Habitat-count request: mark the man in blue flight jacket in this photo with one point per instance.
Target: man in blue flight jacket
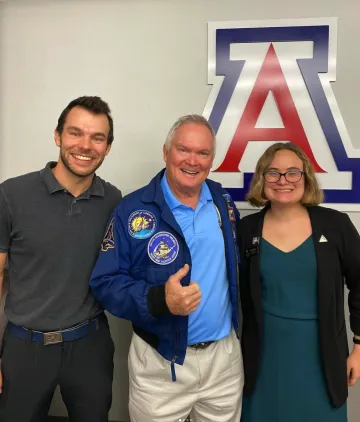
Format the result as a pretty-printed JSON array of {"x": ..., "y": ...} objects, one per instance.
[{"x": 169, "y": 264}]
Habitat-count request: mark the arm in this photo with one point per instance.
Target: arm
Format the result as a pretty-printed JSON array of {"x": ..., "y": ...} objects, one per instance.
[
  {"x": 115, "y": 285},
  {"x": 112, "y": 282},
  {"x": 3, "y": 258},
  {"x": 350, "y": 263},
  {"x": 5, "y": 235}
]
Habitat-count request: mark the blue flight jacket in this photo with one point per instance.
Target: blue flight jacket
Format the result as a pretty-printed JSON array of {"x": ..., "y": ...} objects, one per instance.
[{"x": 130, "y": 274}]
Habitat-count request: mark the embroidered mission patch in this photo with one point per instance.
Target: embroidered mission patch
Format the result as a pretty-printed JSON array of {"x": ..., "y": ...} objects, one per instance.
[
  {"x": 163, "y": 248},
  {"x": 109, "y": 241},
  {"x": 231, "y": 213},
  {"x": 141, "y": 224}
]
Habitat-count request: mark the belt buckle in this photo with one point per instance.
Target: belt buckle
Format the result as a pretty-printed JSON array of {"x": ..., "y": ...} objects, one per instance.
[
  {"x": 201, "y": 345},
  {"x": 53, "y": 337}
]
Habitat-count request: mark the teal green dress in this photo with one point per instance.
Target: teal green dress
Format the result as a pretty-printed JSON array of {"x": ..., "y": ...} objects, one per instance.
[{"x": 291, "y": 385}]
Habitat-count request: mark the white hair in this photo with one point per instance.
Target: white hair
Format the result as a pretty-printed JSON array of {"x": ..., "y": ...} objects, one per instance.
[{"x": 188, "y": 119}]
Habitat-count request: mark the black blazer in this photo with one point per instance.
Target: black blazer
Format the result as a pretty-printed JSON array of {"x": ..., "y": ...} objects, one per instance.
[{"x": 338, "y": 260}]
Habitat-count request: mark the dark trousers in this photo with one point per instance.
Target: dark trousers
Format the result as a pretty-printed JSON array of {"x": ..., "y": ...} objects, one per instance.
[{"x": 82, "y": 368}]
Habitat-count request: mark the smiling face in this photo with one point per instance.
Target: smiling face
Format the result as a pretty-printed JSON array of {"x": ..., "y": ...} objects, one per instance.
[
  {"x": 284, "y": 192},
  {"x": 189, "y": 158},
  {"x": 83, "y": 142}
]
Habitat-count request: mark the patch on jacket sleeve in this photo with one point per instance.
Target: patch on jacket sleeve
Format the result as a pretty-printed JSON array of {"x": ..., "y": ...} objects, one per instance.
[
  {"x": 109, "y": 241},
  {"x": 227, "y": 197},
  {"x": 231, "y": 213}
]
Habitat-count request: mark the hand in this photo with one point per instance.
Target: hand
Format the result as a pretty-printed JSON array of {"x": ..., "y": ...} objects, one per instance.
[
  {"x": 353, "y": 366},
  {"x": 181, "y": 300}
]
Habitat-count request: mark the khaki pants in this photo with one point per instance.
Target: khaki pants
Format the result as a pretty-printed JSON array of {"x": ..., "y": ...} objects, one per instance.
[{"x": 208, "y": 386}]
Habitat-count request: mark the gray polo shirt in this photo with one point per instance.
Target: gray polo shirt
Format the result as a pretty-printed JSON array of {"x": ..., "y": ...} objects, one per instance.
[{"x": 52, "y": 240}]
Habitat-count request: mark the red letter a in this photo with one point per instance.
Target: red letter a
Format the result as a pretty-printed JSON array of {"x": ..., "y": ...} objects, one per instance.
[{"x": 271, "y": 78}]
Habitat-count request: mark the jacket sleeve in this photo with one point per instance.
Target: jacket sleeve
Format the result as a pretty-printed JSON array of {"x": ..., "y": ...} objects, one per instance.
[
  {"x": 114, "y": 286},
  {"x": 350, "y": 264}
]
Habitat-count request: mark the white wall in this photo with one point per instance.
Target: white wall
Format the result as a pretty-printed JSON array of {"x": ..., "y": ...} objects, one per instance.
[{"x": 148, "y": 59}]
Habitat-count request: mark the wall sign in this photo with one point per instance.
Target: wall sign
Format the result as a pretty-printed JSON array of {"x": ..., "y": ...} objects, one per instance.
[{"x": 271, "y": 82}]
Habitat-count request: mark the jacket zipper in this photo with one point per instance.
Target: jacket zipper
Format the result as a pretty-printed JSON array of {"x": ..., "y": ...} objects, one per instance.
[
  {"x": 238, "y": 289},
  {"x": 237, "y": 270},
  {"x": 173, "y": 360}
]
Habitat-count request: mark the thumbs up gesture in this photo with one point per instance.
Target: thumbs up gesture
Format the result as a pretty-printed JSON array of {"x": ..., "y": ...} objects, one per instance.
[{"x": 181, "y": 300}]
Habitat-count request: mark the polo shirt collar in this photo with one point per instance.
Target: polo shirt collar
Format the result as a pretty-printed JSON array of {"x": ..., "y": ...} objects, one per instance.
[
  {"x": 173, "y": 202},
  {"x": 53, "y": 185}
]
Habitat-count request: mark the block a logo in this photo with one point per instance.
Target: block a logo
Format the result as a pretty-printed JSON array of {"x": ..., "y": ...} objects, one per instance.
[{"x": 271, "y": 82}]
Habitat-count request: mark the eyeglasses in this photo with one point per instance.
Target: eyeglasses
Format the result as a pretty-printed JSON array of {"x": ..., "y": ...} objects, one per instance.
[{"x": 291, "y": 176}]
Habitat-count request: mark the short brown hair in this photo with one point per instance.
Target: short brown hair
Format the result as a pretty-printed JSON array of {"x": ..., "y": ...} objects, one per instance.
[
  {"x": 313, "y": 194},
  {"x": 94, "y": 105}
]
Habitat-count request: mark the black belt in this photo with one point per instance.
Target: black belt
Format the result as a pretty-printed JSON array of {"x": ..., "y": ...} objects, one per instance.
[
  {"x": 153, "y": 340},
  {"x": 54, "y": 337},
  {"x": 201, "y": 345}
]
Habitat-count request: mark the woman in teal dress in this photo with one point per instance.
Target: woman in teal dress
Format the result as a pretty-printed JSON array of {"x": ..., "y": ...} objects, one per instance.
[{"x": 294, "y": 260}]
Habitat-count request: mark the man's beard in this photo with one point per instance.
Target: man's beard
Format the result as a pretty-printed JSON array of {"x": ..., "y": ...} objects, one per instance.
[{"x": 67, "y": 165}]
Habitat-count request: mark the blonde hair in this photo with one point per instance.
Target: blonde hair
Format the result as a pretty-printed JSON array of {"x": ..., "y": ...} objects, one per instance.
[{"x": 313, "y": 194}]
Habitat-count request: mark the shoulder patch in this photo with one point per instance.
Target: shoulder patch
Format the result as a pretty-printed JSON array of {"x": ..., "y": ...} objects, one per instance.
[
  {"x": 231, "y": 213},
  {"x": 108, "y": 241},
  {"x": 227, "y": 197}
]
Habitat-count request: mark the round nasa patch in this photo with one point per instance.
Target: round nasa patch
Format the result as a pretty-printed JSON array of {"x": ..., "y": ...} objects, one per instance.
[
  {"x": 163, "y": 248},
  {"x": 141, "y": 224}
]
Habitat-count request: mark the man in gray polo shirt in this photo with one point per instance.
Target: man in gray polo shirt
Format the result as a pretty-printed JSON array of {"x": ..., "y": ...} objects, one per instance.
[{"x": 52, "y": 224}]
